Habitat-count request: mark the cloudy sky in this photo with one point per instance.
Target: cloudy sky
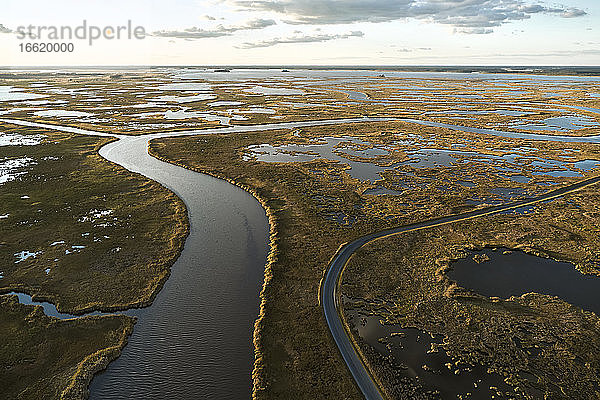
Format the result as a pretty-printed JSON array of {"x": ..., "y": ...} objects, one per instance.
[{"x": 296, "y": 32}]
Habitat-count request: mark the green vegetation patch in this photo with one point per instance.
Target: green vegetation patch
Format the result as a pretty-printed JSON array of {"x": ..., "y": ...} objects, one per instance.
[
  {"x": 80, "y": 231},
  {"x": 43, "y": 357}
]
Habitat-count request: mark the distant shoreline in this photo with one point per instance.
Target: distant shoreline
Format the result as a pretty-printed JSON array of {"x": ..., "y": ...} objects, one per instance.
[{"x": 500, "y": 69}]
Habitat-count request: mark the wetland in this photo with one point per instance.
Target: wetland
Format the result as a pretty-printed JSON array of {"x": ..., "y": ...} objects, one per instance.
[{"x": 125, "y": 204}]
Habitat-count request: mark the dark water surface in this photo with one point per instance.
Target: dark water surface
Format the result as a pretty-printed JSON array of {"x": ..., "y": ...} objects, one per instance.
[
  {"x": 507, "y": 273},
  {"x": 513, "y": 273},
  {"x": 195, "y": 341},
  {"x": 411, "y": 355}
]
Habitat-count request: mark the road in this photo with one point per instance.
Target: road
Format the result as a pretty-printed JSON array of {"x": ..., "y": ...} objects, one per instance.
[{"x": 331, "y": 283}]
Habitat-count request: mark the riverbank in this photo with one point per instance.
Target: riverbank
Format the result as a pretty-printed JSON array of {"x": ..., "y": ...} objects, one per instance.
[{"x": 286, "y": 310}]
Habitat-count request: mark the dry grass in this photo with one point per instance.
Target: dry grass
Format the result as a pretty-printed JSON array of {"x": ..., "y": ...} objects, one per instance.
[{"x": 126, "y": 229}]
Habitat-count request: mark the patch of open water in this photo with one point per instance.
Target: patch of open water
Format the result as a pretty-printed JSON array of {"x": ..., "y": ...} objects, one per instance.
[{"x": 513, "y": 273}]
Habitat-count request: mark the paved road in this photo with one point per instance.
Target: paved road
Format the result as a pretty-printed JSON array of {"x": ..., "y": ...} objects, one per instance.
[{"x": 330, "y": 294}]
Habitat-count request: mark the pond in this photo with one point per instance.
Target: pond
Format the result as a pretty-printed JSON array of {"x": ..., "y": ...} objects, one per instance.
[{"x": 513, "y": 273}]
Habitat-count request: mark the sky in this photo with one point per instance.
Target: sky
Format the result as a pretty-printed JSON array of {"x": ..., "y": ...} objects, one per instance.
[{"x": 303, "y": 32}]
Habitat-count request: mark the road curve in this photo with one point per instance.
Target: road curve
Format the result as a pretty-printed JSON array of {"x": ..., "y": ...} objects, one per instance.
[{"x": 329, "y": 293}]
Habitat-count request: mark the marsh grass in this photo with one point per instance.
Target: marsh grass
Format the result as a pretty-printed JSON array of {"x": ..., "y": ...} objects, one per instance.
[
  {"x": 43, "y": 357},
  {"x": 107, "y": 236},
  {"x": 540, "y": 345}
]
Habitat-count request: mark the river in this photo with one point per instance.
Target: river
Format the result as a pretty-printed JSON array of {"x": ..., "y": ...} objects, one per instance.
[{"x": 195, "y": 340}]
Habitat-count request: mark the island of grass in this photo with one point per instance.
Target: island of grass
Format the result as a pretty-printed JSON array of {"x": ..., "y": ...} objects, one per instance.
[{"x": 81, "y": 232}]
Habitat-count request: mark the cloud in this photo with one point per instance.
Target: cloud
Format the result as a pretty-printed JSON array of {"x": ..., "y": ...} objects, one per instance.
[
  {"x": 300, "y": 38},
  {"x": 573, "y": 13},
  {"x": 474, "y": 31},
  {"x": 4, "y": 29},
  {"x": 255, "y": 24},
  {"x": 218, "y": 31},
  {"x": 190, "y": 33},
  {"x": 457, "y": 13},
  {"x": 407, "y": 50}
]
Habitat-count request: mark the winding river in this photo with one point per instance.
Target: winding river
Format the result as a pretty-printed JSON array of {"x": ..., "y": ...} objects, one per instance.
[{"x": 195, "y": 339}]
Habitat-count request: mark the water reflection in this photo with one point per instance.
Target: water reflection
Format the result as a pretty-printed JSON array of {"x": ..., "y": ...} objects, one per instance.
[
  {"x": 419, "y": 356},
  {"x": 513, "y": 273}
]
